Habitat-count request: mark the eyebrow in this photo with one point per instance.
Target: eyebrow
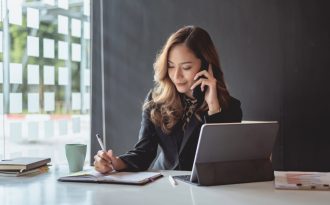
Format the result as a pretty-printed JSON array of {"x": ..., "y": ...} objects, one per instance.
[{"x": 181, "y": 63}]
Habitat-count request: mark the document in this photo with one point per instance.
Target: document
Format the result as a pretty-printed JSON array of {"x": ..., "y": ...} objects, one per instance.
[
  {"x": 302, "y": 180},
  {"x": 135, "y": 178}
]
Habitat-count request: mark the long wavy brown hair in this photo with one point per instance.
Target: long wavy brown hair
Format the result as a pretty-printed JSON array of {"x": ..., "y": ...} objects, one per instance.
[{"x": 165, "y": 106}]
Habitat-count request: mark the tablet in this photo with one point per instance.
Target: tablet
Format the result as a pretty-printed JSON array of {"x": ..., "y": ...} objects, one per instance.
[{"x": 233, "y": 153}]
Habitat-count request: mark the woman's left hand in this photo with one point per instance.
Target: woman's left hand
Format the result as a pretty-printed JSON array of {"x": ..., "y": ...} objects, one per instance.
[{"x": 211, "y": 95}]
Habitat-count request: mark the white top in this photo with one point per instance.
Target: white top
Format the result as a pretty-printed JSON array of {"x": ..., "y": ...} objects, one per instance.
[{"x": 45, "y": 189}]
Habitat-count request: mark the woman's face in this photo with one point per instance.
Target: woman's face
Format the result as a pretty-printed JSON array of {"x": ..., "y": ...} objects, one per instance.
[{"x": 182, "y": 66}]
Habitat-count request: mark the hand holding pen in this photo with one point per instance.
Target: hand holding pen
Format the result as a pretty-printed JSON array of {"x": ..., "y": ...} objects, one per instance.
[
  {"x": 103, "y": 161},
  {"x": 106, "y": 161}
]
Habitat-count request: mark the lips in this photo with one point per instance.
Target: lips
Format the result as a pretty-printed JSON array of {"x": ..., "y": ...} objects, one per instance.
[{"x": 180, "y": 84}]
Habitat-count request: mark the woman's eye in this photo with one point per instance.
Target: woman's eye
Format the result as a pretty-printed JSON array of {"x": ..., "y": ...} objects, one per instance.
[
  {"x": 170, "y": 66},
  {"x": 186, "y": 68}
]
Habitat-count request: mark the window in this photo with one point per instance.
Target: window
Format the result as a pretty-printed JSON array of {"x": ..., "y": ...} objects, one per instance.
[{"x": 44, "y": 77}]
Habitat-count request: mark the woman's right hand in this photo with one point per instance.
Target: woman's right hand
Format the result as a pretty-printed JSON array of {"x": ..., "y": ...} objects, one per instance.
[{"x": 105, "y": 162}]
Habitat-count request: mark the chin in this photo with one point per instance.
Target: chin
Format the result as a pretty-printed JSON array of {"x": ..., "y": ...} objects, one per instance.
[
  {"x": 181, "y": 90},
  {"x": 184, "y": 90}
]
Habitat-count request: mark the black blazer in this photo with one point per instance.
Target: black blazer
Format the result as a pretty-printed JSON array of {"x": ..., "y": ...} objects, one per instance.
[{"x": 173, "y": 156}]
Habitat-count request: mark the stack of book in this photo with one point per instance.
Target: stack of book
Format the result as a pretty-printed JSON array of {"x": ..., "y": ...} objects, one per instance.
[
  {"x": 302, "y": 180},
  {"x": 23, "y": 166}
]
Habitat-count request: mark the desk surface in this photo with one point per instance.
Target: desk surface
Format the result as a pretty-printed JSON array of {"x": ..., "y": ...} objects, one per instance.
[{"x": 45, "y": 189}]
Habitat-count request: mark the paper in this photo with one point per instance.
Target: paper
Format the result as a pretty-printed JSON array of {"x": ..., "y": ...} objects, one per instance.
[
  {"x": 87, "y": 7},
  {"x": 15, "y": 130},
  {"x": 63, "y": 50},
  {"x": 15, "y": 102},
  {"x": 76, "y": 125},
  {"x": 33, "y": 131},
  {"x": 302, "y": 180},
  {"x": 1, "y": 38},
  {"x": 15, "y": 73},
  {"x": 76, "y": 102},
  {"x": 33, "y": 102},
  {"x": 63, "y": 4},
  {"x": 32, "y": 172},
  {"x": 32, "y": 18},
  {"x": 49, "y": 2},
  {"x": 48, "y": 48},
  {"x": 33, "y": 46},
  {"x": 86, "y": 101},
  {"x": 48, "y": 129},
  {"x": 1, "y": 72},
  {"x": 63, "y": 127},
  {"x": 63, "y": 76},
  {"x": 62, "y": 24},
  {"x": 49, "y": 75},
  {"x": 15, "y": 11},
  {"x": 76, "y": 27},
  {"x": 49, "y": 101},
  {"x": 76, "y": 52},
  {"x": 87, "y": 77},
  {"x": 1, "y": 103},
  {"x": 33, "y": 74},
  {"x": 87, "y": 30}
]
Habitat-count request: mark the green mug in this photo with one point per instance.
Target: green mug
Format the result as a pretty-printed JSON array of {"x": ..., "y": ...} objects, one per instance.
[{"x": 75, "y": 154}]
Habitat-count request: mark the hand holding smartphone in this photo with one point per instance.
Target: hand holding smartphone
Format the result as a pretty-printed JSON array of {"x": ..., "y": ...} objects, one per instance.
[{"x": 197, "y": 91}]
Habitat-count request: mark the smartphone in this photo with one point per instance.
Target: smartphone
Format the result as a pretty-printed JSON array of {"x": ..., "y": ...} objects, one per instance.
[{"x": 197, "y": 91}]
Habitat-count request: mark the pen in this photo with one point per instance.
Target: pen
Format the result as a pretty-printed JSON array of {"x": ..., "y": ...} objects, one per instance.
[
  {"x": 172, "y": 180},
  {"x": 103, "y": 147},
  {"x": 100, "y": 142}
]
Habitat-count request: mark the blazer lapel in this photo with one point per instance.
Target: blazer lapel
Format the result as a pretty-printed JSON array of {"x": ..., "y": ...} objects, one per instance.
[{"x": 190, "y": 128}]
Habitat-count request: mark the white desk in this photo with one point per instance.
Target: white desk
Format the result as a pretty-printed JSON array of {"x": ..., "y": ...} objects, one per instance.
[{"x": 44, "y": 189}]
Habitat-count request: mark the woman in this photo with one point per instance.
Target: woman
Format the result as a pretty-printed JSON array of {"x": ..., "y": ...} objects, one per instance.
[{"x": 172, "y": 117}]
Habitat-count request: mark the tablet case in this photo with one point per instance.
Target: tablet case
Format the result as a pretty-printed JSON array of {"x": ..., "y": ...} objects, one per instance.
[{"x": 232, "y": 172}]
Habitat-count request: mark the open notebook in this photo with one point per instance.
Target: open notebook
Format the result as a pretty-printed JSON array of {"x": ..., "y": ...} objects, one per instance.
[{"x": 135, "y": 178}]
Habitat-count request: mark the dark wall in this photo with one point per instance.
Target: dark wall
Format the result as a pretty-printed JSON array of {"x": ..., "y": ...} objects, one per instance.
[
  {"x": 273, "y": 54},
  {"x": 306, "y": 97}
]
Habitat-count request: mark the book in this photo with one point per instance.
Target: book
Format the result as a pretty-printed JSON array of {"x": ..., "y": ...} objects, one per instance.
[
  {"x": 134, "y": 178},
  {"x": 23, "y": 163},
  {"x": 302, "y": 180},
  {"x": 15, "y": 173}
]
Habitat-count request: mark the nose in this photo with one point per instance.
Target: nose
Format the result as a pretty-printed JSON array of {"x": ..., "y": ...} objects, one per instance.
[{"x": 178, "y": 73}]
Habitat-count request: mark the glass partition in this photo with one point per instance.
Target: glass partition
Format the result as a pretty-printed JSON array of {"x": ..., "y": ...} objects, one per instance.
[{"x": 44, "y": 77}]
